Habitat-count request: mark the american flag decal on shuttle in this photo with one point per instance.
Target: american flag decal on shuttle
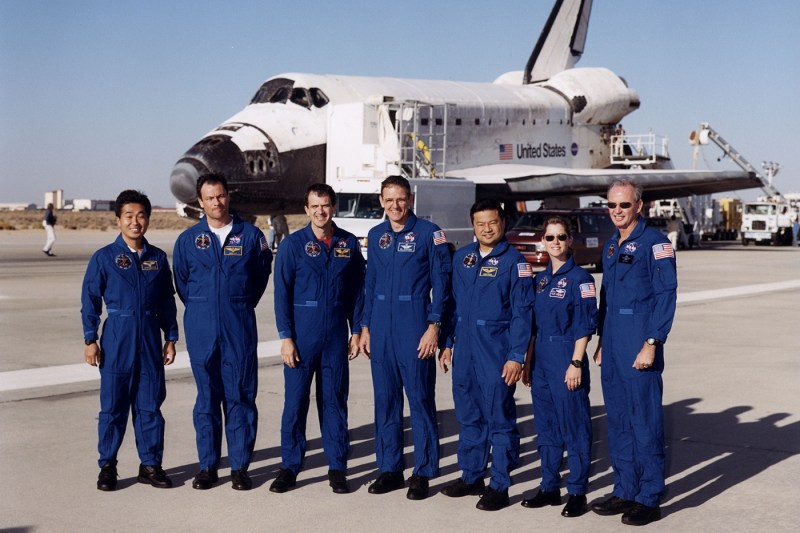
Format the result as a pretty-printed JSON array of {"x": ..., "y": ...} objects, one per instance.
[{"x": 506, "y": 152}]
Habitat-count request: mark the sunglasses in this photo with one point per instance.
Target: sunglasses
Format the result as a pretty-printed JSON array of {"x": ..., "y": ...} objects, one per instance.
[
  {"x": 622, "y": 205},
  {"x": 561, "y": 237}
]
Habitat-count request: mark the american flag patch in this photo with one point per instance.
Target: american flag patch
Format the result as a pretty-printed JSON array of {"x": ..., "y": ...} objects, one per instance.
[
  {"x": 506, "y": 152},
  {"x": 439, "y": 237},
  {"x": 588, "y": 290},
  {"x": 263, "y": 243},
  {"x": 524, "y": 270},
  {"x": 662, "y": 251}
]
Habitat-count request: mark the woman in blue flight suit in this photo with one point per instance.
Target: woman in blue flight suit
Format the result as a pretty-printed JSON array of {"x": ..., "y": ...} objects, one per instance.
[{"x": 565, "y": 310}]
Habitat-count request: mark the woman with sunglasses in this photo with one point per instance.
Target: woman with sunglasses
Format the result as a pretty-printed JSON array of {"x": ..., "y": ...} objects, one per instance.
[{"x": 556, "y": 369}]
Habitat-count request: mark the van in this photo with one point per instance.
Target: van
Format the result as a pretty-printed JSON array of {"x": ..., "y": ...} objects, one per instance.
[{"x": 590, "y": 227}]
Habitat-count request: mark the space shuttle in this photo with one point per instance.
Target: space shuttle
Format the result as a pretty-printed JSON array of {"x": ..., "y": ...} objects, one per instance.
[{"x": 549, "y": 131}]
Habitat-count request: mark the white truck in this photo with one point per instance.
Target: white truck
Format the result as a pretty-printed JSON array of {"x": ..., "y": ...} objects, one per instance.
[{"x": 768, "y": 221}]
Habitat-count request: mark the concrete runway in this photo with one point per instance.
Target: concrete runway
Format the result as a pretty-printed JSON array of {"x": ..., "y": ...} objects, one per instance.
[{"x": 731, "y": 399}]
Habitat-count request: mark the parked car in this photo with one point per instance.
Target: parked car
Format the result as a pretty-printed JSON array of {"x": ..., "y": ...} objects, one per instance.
[{"x": 591, "y": 227}]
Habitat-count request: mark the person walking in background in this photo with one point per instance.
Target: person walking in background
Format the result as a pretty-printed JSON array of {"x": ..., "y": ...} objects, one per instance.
[
  {"x": 319, "y": 294},
  {"x": 49, "y": 224},
  {"x": 281, "y": 227},
  {"x": 222, "y": 265},
  {"x": 133, "y": 278},
  {"x": 557, "y": 370},
  {"x": 673, "y": 230},
  {"x": 489, "y": 334}
]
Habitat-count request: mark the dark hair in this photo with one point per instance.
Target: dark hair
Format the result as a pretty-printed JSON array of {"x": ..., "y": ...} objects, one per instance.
[
  {"x": 212, "y": 179},
  {"x": 132, "y": 197},
  {"x": 321, "y": 189},
  {"x": 560, "y": 221},
  {"x": 396, "y": 181},
  {"x": 488, "y": 204}
]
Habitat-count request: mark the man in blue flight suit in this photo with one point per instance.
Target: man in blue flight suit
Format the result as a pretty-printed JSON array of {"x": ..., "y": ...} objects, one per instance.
[
  {"x": 493, "y": 292},
  {"x": 134, "y": 280},
  {"x": 222, "y": 265},
  {"x": 406, "y": 293},
  {"x": 319, "y": 293},
  {"x": 637, "y": 306}
]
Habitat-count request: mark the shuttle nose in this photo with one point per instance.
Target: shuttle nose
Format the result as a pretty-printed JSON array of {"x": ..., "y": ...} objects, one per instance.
[{"x": 183, "y": 182}]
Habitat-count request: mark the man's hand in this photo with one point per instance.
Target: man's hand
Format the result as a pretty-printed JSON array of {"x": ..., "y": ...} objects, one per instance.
[
  {"x": 445, "y": 359},
  {"x": 355, "y": 339},
  {"x": 289, "y": 353},
  {"x": 512, "y": 371},
  {"x": 428, "y": 343},
  {"x": 168, "y": 353},
  {"x": 91, "y": 354},
  {"x": 645, "y": 358},
  {"x": 363, "y": 344}
]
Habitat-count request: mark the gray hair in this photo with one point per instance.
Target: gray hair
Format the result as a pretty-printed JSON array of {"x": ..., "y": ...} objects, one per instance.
[{"x": 626, "y": 182}]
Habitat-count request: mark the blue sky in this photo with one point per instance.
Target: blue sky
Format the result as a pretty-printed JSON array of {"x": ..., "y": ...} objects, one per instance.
[{"x": 101, "y": 95}]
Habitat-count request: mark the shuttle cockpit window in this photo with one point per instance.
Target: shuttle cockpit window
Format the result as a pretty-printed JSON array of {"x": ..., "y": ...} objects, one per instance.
[
  {"x": 301, "y": 97},
  {"x": 318, "y": 98},
  {"x": 355, "y": 205},
  {"x": 274, "y": 91}
]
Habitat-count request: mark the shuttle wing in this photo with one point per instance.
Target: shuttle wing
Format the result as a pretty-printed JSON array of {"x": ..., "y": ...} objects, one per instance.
[{"x": 541, "y": 182}]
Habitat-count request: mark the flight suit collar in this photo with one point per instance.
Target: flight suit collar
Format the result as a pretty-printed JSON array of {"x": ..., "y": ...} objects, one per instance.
[
  {"x": 635, "y": 234},
  {"x": 410, "y": 223},
  {"x": 566, "y": 267}
]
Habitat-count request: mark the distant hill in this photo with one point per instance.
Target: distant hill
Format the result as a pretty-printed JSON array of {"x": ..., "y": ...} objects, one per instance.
[{"x": 105, "y": 220}]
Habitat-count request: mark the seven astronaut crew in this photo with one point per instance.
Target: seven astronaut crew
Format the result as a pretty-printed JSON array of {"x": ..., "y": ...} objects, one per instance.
[{"x": 482, "y": 311}]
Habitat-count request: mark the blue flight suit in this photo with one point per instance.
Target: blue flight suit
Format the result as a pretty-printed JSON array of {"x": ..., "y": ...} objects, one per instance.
[
  {"x": 565, "y": 307},
  {"x": 492, "y": 321},
  {"x": 220, "y": 287},
  {"x": 319, "y": 294},
  {"x": 637, "y": 302},
  {"x": 407, "y": 286},
  {"x": 139, "y": 300}
]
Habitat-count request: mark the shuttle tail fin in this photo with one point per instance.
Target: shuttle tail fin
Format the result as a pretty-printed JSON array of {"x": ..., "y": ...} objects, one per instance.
[{"x": 561, "y": 43}]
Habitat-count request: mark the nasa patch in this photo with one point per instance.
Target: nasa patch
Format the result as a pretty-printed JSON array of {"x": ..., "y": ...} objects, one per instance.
[
  {"x": 202, "y": 241},
  {"x": 493, "y": 261},
  {"x": 470, "y": 260},
  {"x": 386, "y": 241},
  {"x": 342, "y": 243},
  {"x": 313, "y": 249},
  {"x": 123, "y": 262},
  {"x": 631, "y": 247},
  {"x": 410, "y": 237},
  {"x": 562, "y": 283},
  {"x": 235, "y": 240}
]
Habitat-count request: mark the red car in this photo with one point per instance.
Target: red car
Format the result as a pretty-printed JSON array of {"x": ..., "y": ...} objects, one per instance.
[{"x": 591, "y": 227}]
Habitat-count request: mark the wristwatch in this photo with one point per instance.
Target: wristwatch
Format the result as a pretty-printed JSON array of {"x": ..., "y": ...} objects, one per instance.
[
  {"x": 577, "y": 363},
  {"x": 87, "y": 343},
  {"x": 436, "y": 323},
  {"x": 652, "y": 342}
]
